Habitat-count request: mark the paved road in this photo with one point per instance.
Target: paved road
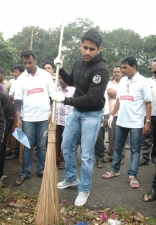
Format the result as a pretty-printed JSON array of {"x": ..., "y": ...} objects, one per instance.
[{"x": 104, "y": 193}]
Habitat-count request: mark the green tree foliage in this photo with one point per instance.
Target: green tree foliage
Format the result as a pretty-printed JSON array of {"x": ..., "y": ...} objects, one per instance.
[
  {"x": 72, "y": 39},
  {"x": 120, "y": 43},
  {"x": 44, "y": 44},
  {"x": 116, "y": 44},
  {"x": 148, "y": 54},
  {"x": 8, "y": 54}
]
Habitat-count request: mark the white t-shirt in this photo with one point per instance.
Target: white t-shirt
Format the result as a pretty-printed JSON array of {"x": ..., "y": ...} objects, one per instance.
[
  {"x": 14, "y": 84},
  {"x": 35, "y": 92},
  {"x": 132, "y": 95},
  {"x": 152, "y": 82}
]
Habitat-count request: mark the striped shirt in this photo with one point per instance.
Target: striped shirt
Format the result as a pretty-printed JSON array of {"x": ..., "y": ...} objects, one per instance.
[{"x": 62, "y": 111}]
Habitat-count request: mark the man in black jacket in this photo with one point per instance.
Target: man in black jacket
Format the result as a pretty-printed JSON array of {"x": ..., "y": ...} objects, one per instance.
[
  {"x": 90, "y": 76},
  {"x": 6, "y": 122}
]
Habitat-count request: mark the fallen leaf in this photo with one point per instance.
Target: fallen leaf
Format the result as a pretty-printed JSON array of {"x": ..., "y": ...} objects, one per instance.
[
  {"x": 63, "y": 211},
  {"x": 140, "y": 215}
]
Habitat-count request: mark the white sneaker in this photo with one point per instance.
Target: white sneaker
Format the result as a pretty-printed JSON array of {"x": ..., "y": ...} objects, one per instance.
[
  {"x": 65, "y": 184},
  {"x": 81, "y": 198}
]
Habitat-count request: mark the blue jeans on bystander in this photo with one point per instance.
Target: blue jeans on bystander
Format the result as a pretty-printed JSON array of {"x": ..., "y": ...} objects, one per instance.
[
  {"x": 35, "y": 134},
  {"x": 135, "y": 143}
]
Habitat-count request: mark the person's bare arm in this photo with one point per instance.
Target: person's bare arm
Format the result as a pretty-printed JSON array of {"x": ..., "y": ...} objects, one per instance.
[
  {"x": 116, "y": 108},
  {"x": 111, "y": 92},
  {"x": 146, "y": 127}
]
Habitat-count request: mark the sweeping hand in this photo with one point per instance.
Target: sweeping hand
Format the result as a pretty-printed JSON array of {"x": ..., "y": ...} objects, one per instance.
[
  {"x": 59, "y": 61},
  {"x": 58, "y": 97},
  {"x": 110, "y": 120}
]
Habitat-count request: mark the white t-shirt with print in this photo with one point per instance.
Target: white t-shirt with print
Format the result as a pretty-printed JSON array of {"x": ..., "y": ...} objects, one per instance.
[
  {"x": 132, "y": 95},
  {"x": 35, "y": 91}
]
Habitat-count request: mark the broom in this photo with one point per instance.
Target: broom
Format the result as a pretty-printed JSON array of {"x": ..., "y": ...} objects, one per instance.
[{"x": 47, "y": 211}]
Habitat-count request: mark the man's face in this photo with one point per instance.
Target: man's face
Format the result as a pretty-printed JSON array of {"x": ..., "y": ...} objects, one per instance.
[
  {"x": 62, "y": 83},
  {"x": 1, "y": 77},
  {"x": 89, "y": 50},
  {"x": 128, "y": 70},
  {"x": 29, "y": 64},
  {"x": 117, "y": 74},
  {"x": 49, "y": 68},
  {"x": 16, "y": 73},
  {"x": 153, "y": 68}
]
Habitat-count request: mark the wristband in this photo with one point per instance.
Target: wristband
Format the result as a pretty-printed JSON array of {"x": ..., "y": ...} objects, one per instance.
[{"x": 148, "y": 121}]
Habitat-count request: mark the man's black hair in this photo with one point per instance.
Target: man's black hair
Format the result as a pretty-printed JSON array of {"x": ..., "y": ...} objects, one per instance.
[
  {"x": 117, "y": 66},
  {"x": 93, "y": 36},
  {"x": 130, "y": 60},
  {"x": 27, "y": 53},
  {"x": 50, "y": 63},
  {"x": 19, "y": 67}
]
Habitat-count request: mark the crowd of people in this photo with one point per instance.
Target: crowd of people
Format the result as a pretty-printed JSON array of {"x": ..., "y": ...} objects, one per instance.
[{"x": 87, "y": 102}]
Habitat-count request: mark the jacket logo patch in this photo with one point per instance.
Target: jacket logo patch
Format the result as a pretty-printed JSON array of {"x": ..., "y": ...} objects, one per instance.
[{"x": 97, "y": 79}]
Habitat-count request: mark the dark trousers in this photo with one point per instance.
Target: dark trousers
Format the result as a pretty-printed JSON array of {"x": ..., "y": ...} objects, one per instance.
[
  {"x": 154, "y": 180},
  {"x": 99, "y": 146},
  {"x": 153, "y": 154},
  {"x": 111, "y": 138},
  {"x": 148, "y": 140},
  {"x": 8, "y": 127},
  {"x": 59, "y": 133}
]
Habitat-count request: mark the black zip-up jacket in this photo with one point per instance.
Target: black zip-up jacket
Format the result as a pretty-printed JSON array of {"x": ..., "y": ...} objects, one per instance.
[
  {"x": 6, "y": 112},
  {"x": 90, "y": 80}
]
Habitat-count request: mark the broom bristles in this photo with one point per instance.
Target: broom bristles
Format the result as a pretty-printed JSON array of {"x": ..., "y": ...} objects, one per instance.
[{"x": 47, "y": 211}]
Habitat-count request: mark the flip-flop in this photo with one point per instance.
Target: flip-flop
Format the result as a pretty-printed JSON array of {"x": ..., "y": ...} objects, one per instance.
[
  {"x": 151, "y": 196},
  {"x": 61, "y": 166},
  {"x": 100, "y": 165},
  {"x": 109, "y": 175},
  {"x": 133, "y": 182},
  {"x": 11, "y": 157},
  {"x": 21, "y": 180}
]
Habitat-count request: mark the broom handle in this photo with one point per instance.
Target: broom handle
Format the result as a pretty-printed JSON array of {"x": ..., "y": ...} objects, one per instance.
[{"x": 57, "y": 70}]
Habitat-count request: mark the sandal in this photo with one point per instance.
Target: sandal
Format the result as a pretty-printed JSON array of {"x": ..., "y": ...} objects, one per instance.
[
  {"x": 20, "y": 180},
  {"x": 11, "y": 157},
  {"x": 106, "y": 160},
  {"x": 100, "y": 165},
  {"x": 61, "y": 166},
  {"x": 133, "y": 182},
  {"x": 110, "y": 175},
  {"x": 151, "y": 196}
]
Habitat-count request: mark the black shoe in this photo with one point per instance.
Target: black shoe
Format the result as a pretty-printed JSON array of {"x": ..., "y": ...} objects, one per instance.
[
  {"x": 40, "y": 174},
  {"x": 143, "y": 163}
]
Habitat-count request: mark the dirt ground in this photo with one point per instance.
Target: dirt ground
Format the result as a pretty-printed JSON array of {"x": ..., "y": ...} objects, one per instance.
[{"x": 104, "y": 193}]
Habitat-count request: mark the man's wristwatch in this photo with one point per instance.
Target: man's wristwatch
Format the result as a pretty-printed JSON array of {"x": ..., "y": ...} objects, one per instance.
[{"x": 148, "y": 121}]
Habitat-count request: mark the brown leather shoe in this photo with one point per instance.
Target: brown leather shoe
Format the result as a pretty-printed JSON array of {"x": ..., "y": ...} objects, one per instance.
[{"x": 106, "y": 160}]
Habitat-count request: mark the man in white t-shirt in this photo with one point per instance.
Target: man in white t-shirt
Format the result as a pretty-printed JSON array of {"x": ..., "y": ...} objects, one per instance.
[
  {"x": 17, "y": 71},
  {"x": 133, "y": 97},
  {"x": 149, "y": 139},
  {"x": 33, "y": 93}
]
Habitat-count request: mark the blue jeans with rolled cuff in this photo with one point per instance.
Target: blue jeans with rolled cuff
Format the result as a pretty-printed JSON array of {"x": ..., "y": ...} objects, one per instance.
[{"x": 135, "y": 143}]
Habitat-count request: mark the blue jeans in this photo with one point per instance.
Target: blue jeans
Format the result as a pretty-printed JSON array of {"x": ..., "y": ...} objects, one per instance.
[
  {"x": 35, "y": 134},
  {"x": 85, "y": 125},
  {"x": 135, "y": 143},
  {"x": 8, "y": 127}
]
